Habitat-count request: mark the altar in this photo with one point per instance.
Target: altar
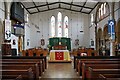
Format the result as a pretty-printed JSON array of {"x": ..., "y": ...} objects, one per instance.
[{"x": 59, "y": 56}]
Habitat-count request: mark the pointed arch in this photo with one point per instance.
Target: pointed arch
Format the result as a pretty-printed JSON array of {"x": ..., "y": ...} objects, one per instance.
[
  {"x": 65, "y": 27},
  {"x": 118, "y": 31},
  {"x": 52, "y": 26},
  {"x": 59, "y": 17}
]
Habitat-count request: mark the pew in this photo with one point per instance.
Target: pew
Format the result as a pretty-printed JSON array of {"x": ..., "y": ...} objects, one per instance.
[
  {"x": 109, "y": 76},
  {"x": 20, "y": 67},
  {"x": 93, "y": 57},
  {"x": 26, "y": 73},
  {"x": 27, "y": 57},
  {"x": 29, "y": 64},
  {"x": 40, "y": 62},
  {"x": 95, "y": 61},
  {"x": 97, "y": 66},
  {"x": 80, "y": 61},
  {"x": 94, "y": 73},
  {"x": 12, "y": 77}
]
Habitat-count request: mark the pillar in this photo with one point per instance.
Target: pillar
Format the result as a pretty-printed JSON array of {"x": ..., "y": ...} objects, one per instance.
[
  {"x": 6, "y": 46},
  {"x": 112, "y": 53}
]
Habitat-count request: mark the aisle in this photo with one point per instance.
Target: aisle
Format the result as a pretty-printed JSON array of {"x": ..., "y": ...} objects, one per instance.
[{"x": 60, "y": 70}]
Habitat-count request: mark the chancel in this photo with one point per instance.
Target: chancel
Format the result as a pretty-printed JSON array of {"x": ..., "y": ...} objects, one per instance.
[{"x": 60, "y": 39}]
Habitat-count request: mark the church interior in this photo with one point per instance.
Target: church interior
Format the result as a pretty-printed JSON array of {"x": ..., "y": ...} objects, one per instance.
[{"x": 59, "y": 39}]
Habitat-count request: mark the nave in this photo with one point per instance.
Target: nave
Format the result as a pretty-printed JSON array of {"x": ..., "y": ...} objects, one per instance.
[
  {"x": 60, "y": 71},
  {"x": 37, "y": 39}
]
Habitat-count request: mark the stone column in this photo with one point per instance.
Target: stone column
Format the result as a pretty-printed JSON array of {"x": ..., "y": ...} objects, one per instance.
[
  {"x": 7, "y": 8},
  {"x": 6, "y": 46},
  {"x": 112, "y": 53}
]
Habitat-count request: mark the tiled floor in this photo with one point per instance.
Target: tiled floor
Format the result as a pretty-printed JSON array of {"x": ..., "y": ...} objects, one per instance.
[{"x": 60, "y": 71}]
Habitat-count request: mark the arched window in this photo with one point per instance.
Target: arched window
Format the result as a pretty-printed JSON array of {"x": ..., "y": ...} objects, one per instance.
[
  {"x": 59, "y": 24},
  {"x": 65, "y": 29},
  {"x": 103, "y": 10},
  {"x": 52, "y": 31}
]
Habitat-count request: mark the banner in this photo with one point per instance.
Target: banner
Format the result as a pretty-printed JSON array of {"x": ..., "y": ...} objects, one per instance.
[{"x": 111, "y": 29}]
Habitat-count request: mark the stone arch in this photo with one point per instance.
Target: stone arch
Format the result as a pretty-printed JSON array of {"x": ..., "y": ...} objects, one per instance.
[
  {"x": 117, "y": 30},
  {"x": 106, "y": 39},
  {"x": 99, "y": 39},
  {"x": 96, "y": 21},
  {"x": 96, "y": 13},
  {"x": 105, "y": 32}
]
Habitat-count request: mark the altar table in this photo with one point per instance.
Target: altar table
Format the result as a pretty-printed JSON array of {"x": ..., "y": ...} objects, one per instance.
[{"x": 59, "y": 55}]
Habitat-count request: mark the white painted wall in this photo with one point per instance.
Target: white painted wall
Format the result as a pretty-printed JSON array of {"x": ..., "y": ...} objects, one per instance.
[
  {"x": 104, "y": 21},
  {"x": 77, "y": 22},
  {"x": 2, "y": 18},
  {"x": 14, "y": 46}
]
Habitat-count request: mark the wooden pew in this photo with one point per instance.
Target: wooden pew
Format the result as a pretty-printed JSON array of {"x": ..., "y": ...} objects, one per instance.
[
  {"x": 97, "y": 66},
  {"x": 20, "y": 67},
  {"x": 26, "y": 73},
  {"x": 80, "y": 61},
  {"x": 109, "y": 76},
  {"x": 29, "y": 64},
  {"x": 93, "y": 57},
  {"x": 27, "y": 57},
  {"x": 40, "y": 62},
  {"x": 12, "y": 77},
  {"x": 93, "y": 61},
  {"x": 94, "y": 73}
]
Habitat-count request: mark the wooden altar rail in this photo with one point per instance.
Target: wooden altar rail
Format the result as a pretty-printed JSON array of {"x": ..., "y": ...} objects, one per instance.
[{"x": 35, "y": 52}]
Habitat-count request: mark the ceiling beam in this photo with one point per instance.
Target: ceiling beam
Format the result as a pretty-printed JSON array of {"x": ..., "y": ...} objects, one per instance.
[
  {"x": 94, "y": 7},
  {"x": 60, "y": 8},
  {"x": 26, "y": 8},
  {"x": 74, "y": 10},
  {"x": 46, "y": 10},
  {"x": 71, "y": 4},
  {"x": 59, "y": 3},
  {"x": 76, "y": 5},
  {"x": 43, "y": 5},
  {"x": 47, "y": 4},
  {"x": 35, "y": 6},
  {"x": 83, "y": 5}
]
